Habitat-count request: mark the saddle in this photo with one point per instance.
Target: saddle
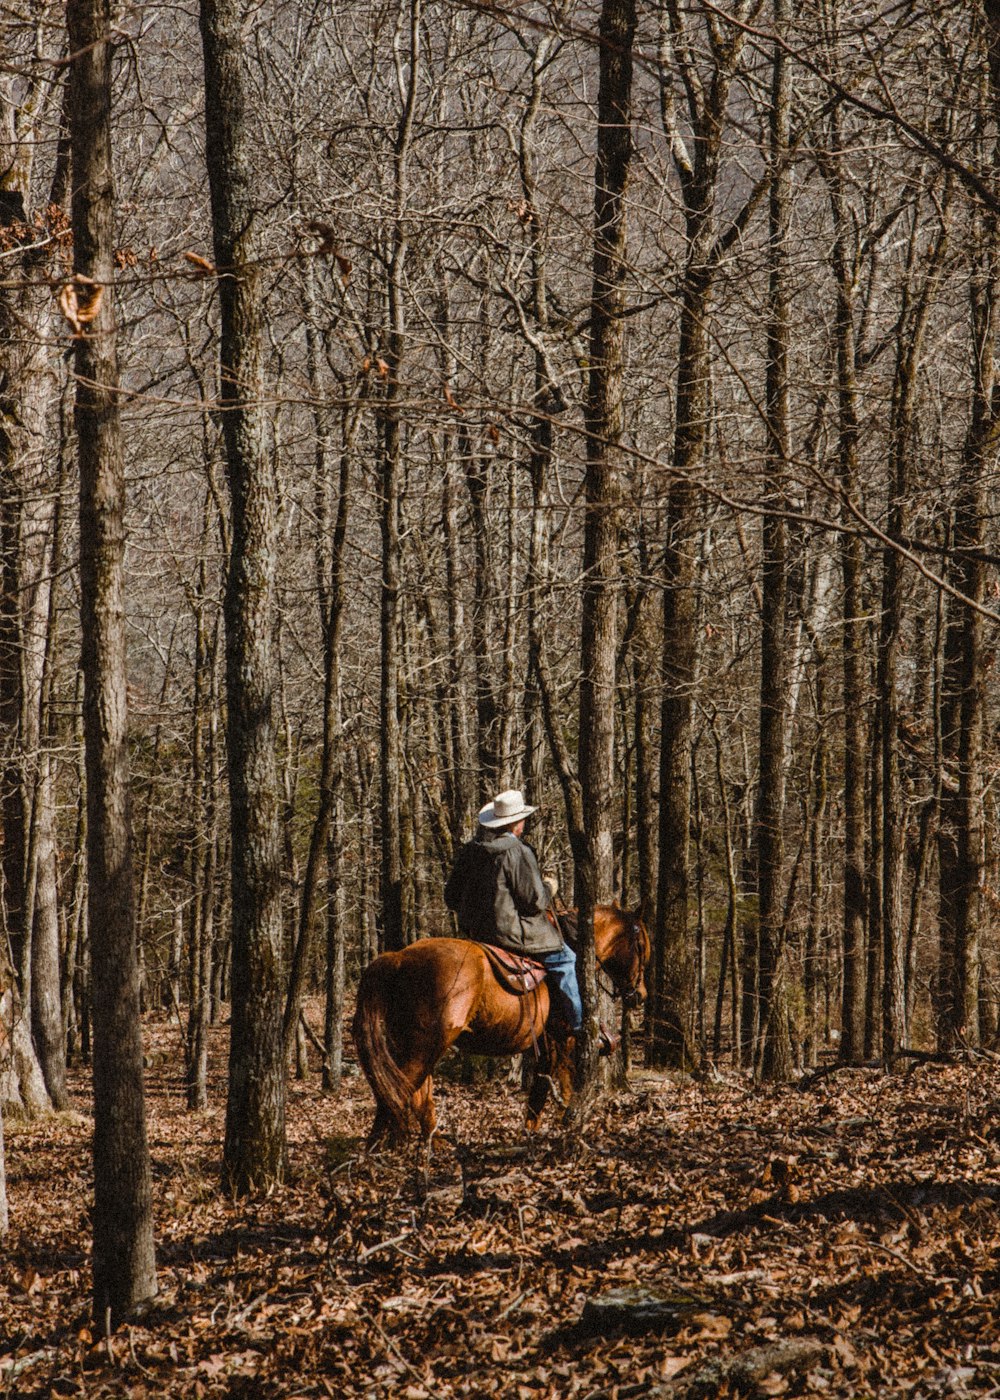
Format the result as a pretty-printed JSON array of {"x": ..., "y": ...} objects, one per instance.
[{"x": 519, "y": 975}]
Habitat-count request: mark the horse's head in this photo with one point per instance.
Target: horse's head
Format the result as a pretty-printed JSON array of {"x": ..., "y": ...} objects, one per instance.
[{"x": 625, "y": 953}]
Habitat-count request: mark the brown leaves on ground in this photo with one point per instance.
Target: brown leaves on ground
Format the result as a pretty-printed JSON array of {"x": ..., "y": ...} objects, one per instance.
[{"x": 839, "y": 1242}]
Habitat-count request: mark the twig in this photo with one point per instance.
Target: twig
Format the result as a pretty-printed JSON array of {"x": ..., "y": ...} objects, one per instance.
[
  {"x": 131, "y": 1351},
  {"x": 925, "y": 1274},
  {"x": 384, "y": 1244},
  {"x": 17, "y": 1367},
  {"x": 240, "y": 1318},
  {"x": 394, "y": 1349},
  {"x": 311, "y": 1035}
]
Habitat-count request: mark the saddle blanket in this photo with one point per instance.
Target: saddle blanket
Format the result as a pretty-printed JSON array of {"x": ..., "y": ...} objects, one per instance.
[{"x": 519, "y": 975}]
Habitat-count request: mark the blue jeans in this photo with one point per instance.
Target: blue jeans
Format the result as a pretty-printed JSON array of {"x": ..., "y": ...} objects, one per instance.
[{"x": 560, "y": 969}]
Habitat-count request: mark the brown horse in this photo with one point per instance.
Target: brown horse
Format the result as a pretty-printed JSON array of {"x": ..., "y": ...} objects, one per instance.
[{"x": 416, "y": 1004}]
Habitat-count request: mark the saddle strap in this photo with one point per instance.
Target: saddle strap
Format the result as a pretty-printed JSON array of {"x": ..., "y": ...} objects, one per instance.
[{"x": 519, "y": 975}]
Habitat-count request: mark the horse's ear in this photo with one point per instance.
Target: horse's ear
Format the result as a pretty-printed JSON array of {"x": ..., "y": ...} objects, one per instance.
[{"x": 616, "y": 905}]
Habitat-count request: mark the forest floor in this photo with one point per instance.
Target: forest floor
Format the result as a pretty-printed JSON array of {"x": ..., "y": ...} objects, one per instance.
[{"x": 706, "y": 1239}]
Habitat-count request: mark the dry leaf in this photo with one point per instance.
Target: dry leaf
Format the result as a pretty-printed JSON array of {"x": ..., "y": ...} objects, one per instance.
[
  {"x": 711, "y": 1326},
  {"x": 80, "y": 301},
  {"x": 327, "y": 236},
  {"x": 202, "y": 264}
]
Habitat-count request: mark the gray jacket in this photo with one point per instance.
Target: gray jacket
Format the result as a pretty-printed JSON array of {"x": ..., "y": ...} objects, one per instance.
[{"x": 497, "y": 892}]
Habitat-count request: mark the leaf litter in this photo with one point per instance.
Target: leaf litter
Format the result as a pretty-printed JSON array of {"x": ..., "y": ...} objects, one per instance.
[{"x": 704, "y": 1239}]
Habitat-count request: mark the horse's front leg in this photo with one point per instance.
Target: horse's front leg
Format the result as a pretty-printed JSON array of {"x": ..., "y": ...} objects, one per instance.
[{"x": 538, "y": 1094}]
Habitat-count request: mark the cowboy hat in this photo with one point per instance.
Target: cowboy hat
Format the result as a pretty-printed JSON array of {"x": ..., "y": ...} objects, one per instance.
[{"x": 505, "y": 809}]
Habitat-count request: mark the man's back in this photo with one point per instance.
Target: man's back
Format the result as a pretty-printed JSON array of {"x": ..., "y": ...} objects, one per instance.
[{"x": 496, "y": 891}]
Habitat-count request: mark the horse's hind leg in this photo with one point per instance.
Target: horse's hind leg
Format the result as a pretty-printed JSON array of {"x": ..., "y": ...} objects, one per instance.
[
  {"x": 391, "y": 1125},
  {"x": 384, "y": 1128},
  {"x": 537, "y": 1096},
  {"x": 423, "y": 1107}
]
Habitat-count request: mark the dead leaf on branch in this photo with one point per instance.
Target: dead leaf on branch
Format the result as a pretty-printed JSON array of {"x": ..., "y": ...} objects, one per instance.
[
  {"x": 203, "y": 265},
  {"x": 80, "y": 301},
  {"x": 328, "y": 246}
]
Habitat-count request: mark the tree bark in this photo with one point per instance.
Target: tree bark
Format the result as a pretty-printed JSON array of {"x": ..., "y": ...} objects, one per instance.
[
  {"x": 254, "y": 1151},
  {"x": 394, "y": 934},
  {"x": 852, "y": 1044},
  {"x": 913, "y": 322},
  {"x": 961, "y": 841},
  {"x": 123, "y": 1253},
  {"x": 774, "y": 1061},
  {"x": 325, "y": 839},
  {"x": 30, "y": 495},
  {"x": 594, "y": 854},
  {"x": 697, "y": 151}
]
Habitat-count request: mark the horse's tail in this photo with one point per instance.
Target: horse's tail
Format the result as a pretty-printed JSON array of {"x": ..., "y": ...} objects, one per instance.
[{"x": 393, "y": 1091}]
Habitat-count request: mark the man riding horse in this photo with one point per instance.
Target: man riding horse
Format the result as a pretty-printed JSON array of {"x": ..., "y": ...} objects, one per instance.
[{"x": 498, "y": 894}]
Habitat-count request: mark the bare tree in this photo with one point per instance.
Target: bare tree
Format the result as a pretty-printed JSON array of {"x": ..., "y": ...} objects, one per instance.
[
  {"x": 773, "y": 1059},
  {"x": 124, "y": 1261},
  {"x": 254, "y": 1151},
  {"x": 594, "y": 851}
]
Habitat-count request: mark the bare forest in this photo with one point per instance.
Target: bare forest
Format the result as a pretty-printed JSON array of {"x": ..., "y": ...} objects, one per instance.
[{"x": 406, "y": 400}]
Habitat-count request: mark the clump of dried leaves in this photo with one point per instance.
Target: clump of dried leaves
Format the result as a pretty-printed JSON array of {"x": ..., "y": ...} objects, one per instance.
[{"x": 705, "y": 1239}]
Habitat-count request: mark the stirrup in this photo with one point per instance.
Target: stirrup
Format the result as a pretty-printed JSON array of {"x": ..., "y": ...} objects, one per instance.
[{"x": 607, "y": 1042}]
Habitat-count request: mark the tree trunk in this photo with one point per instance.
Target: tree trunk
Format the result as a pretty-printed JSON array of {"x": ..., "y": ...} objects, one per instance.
[
  {"x": 594, "y": 854},
  {"x": 909, "y": 352},
  {"x": 462, "y": 785},
  {"x": 852, "y": 1044},
  {"x": 124, "y": 1263},
  {"x": 254, "y": 1151},
  {"x": 321, "y": 846},
  {"x": 774, "y": 1062},
  {"x": 394, "y": 934},
  {"x": 205, "y": 845},
  {"x": 961, "y": 844},
  {"x": 697, "y": 170},
  {"x": 479, "y": 480},
  {"x": 336, "y": 951},
  {"x": 31, "y": 478}
]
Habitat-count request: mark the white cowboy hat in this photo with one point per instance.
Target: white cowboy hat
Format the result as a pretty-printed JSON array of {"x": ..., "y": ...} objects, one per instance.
[{"x": 505, "y": 809}]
